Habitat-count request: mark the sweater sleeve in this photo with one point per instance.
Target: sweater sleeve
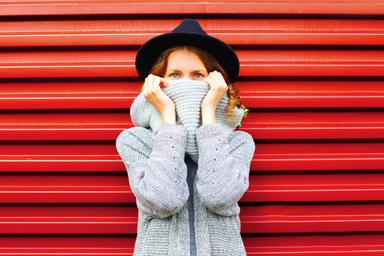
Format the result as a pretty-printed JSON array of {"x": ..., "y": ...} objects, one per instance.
[
  {"x": 156, "y": 168},
  {"x": 224, "y": 164}
]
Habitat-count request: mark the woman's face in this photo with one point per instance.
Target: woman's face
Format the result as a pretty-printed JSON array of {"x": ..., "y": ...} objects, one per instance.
[{"x": 183, "y": 64}]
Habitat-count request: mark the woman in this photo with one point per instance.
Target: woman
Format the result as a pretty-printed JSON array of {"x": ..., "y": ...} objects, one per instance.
[{"x": 186, "y": 165}]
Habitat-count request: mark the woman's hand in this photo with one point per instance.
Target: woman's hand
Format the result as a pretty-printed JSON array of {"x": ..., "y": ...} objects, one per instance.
[
  {"x": 218, "y": 87},
  {"x": 153, "y": 93}
]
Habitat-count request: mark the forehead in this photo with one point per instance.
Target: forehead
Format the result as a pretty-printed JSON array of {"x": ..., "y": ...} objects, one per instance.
[{"x": 184, "y": 59}]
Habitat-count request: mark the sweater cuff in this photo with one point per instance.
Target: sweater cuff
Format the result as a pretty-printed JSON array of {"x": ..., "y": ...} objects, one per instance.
[
  {"x": 169, "y": 143},
  {"x": 209, "y": 130}
]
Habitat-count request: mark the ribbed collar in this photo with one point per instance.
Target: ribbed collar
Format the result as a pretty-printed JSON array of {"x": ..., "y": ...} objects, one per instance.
[{"x": 187, "y": 96}]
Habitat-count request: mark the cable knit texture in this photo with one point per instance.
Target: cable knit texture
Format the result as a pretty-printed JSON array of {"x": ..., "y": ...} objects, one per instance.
[
  {"x": 187, "y": 96},
  {"x": 157, "y": 172}
]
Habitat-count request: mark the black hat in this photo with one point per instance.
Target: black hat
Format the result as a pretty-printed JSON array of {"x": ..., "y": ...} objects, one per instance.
[{"x": 189, "y": 33}]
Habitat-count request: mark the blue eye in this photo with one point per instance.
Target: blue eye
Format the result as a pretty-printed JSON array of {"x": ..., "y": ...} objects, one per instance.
[
  {"x": 174, "y": 75},
  {"x": 198, "y": 75}
]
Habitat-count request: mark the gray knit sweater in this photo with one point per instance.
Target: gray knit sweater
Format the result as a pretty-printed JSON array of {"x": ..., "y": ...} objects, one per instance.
[
  {"x": 187, "y": 96},
  {"x": 157, "y": 173}
]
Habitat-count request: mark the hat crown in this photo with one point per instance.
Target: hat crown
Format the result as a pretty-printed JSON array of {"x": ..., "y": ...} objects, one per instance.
[
  {"x": 189, "y": 26},
  {"x": 190, "y": 33}
]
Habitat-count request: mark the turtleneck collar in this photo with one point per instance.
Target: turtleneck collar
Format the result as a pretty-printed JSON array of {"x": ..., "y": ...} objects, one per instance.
[{"x": 187, "y": 96}]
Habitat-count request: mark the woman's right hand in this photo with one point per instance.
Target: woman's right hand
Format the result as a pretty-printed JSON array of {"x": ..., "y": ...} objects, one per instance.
[{"x": 153, "y": 93}]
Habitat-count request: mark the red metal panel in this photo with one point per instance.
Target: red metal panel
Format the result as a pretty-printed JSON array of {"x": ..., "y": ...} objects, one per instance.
[
  {"x": 80, "y": 245},
  {"x": 174, "y": 7},
  {"x": 65, "y": 189},
  {"x": 40, "y": 157},
  {"x": 63, "y": 126},
  {"x": 315, "y": 188},
  {"x": 312, "y": 94},
  {"x": 307, "y": 125},
  {"x": 319, "y": 245},
  {"x": 68, "y": 220},
  {"x": 253, "y": 63},
  {"x": 236, "y": 32},
  {"x": 70, "y": 95},
  {"x": 318, "y": 156},
  {"x": 313, "y": 218}
]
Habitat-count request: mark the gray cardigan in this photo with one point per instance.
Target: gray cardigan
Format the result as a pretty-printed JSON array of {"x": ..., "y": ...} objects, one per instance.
[{"x": 158, "y": 178}]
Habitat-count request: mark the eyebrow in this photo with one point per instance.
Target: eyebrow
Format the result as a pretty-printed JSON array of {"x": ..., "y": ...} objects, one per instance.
[
  {"x": 198, "y": 70},
  {"x": 173, "y": 70}
]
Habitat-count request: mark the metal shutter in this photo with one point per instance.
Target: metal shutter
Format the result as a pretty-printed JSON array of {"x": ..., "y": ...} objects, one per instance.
[{"x": 311, "y": 75}]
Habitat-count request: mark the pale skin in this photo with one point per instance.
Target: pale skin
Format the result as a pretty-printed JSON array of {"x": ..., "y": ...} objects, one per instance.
[{"x": 184, "y": 64}]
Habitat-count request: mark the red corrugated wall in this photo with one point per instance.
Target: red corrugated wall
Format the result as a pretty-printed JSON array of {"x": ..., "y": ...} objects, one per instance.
[{"x": 311, "y": 74}]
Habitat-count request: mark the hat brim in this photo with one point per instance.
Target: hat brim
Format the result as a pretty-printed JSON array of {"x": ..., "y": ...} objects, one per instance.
[{"x": 152, "y": 49}]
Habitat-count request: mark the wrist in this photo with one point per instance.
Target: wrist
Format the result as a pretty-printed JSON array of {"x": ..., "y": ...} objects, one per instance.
[
  {"x": 208, "y": 116},
  {"x": 168, "y": 116}
]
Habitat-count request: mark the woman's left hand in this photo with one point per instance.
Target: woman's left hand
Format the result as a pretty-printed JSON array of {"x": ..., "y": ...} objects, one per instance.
[{"x": 218, "y": 87}]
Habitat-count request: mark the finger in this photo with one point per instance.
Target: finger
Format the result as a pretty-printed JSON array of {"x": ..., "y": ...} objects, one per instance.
[
  {"x": 221, "y": 78},
  {"x": 215, "y": 77},
  {"x": 215, "y": 73},
  {"x": 163, "y": 83},
  {"x": 210, "y": 81},
  {"x": 150, "y": 87},
  {"x": 214, "y": 84},
  {"x": 156, "y": 82},
  {"x": 212, "y": 76},
  {"x": 222, "y": 85}
]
